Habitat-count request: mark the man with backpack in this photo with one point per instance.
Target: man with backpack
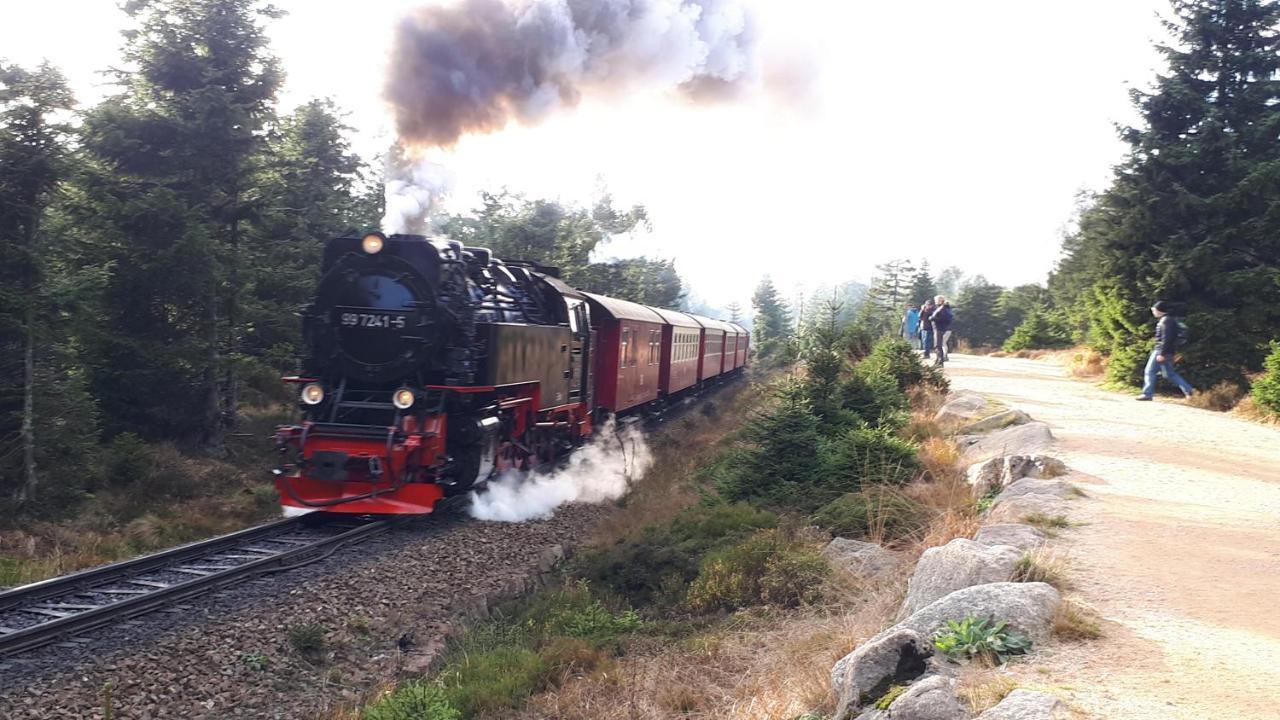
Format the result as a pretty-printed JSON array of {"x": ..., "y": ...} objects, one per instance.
[
  {"x": 941, "y": 318},
  {"x": 1170, "y": 335}
]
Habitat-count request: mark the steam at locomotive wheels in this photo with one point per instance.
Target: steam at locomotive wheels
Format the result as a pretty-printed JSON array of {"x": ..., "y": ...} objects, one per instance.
[{"x": 432, "y": 367}]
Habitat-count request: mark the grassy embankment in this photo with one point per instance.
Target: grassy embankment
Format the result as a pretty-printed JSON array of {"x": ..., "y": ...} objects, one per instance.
[
  {"x": 708, "y": 596},
  {"x": 142, "y": 497}
]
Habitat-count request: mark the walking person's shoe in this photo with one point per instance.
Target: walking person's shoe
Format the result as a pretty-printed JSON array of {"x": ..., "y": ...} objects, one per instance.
[
  {"x": 1188, "y": 395},
  {"x": 1146, "y": 398}
]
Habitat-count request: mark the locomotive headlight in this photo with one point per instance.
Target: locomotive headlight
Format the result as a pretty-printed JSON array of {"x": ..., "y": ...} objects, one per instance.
[
  {"x": 403, "y": 398},
  {"x": 372, "y": 243},
  {"x": 312, "y": 394}
]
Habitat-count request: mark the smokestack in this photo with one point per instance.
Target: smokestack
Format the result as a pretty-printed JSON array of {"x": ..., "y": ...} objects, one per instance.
[{"x": 479, "y": 64}]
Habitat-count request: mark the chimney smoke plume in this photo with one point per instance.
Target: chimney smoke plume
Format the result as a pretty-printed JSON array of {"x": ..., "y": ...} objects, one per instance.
[{"x": 479, "y": 64}]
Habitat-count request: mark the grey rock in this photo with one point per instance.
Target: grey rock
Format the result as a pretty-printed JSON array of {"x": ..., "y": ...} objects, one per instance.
[
  {"x": 865, "y": 674},
  {"x": 1016, "y": 509},
  {"x": 959, "y": 564},
  {"x": 1023, "y": 537},
  {"x": 1025, "y": 439},
  {"x": 933, "y": 698},
  {"x": 1027, "y": 705},
  {"x": 1033, "y": 486},
  {"x": 1002, "y": 419},
  {"x": 861, "y": 559},
  {"x": 1027, "y": 607},
  {"x": 960, "y": 408},
  {"x": 1045, "y": 466},
  {"x": 985, "y": 476}
]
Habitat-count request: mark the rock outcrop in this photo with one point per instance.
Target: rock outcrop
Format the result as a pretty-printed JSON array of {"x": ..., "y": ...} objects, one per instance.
[
  {"x": 1016, "y": 509},
  {"x": 958, "y": 564},
  {"x": 863, "y": 560},
  {"x": 1023, "y": 537},
  {"x": 1032, "y": 486},
  {"x": 1004, "y": 470},
  {"x": 864, "y": 675},
  {"x": 961, "y": 408},
  {"x": 1027, "y": 607},
  {"x": 1031, "y": 438},
  {"x": 933, "y": 698},
  {"x": 1027, "y": 705},
  {"x": 1001, "y": 419}
]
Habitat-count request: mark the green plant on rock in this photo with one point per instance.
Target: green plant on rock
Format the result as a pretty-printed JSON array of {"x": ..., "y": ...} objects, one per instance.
[
  {"x": 414, "y": 700},
  {"x": 983, "y": 639},
  {"x": 256, "y": 661},
  {"x": 893, "y": 693},
  {"x": 1266, "y": 389}
]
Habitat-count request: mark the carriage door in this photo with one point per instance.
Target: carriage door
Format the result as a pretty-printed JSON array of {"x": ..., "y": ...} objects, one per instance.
[{"x": 579, "y": 352}]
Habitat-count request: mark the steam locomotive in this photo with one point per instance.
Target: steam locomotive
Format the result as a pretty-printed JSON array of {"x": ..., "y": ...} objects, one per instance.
[{"x": 431, "y": 367}]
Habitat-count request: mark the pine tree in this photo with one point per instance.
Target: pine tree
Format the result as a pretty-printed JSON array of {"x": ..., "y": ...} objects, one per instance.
[
  {"x": 922, "y": 286},
  {"x": 772, "y": 326},
  {"x": 1191, "y": 215},
  {"x": 33, "y": 161},
  {"x": 735, "y": 311},
  {"x": 887, "y": 299},
  {"x": 167, "y": 204},
  {"x": 976, "y": 316}
]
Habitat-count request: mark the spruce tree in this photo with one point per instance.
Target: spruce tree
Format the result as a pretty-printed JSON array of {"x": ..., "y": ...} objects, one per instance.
[
  {"x": 167, "y": 206},
  {"x": 33, "y": 161},
  {"x": 772, "y": 325},
  {"x": 976, "y": 313},
  {"x": 1193, "y": 214},
  {"x": 922, "y": 286}
]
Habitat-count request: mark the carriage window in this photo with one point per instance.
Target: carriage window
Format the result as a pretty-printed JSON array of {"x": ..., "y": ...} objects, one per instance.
[
  {"x": 626, "y": 342},
  {"x": 632, "y": 352}
]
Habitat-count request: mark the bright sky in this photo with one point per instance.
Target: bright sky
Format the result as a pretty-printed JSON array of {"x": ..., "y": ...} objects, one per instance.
[{"x": 957, "y": 133}]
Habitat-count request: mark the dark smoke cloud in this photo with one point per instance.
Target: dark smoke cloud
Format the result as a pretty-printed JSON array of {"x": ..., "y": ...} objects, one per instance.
[{"x": 479, "y": 64}]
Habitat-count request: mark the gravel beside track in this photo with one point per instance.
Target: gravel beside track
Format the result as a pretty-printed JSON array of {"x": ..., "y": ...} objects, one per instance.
[{"x": 387, "y": 605}]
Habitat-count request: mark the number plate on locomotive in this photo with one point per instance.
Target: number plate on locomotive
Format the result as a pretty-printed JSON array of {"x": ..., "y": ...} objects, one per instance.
[{"x": 370, "y": 318}]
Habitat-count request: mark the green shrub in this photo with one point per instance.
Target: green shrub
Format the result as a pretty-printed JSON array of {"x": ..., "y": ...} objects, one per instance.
[
  {"x": 655, "y": 567},
  {"x": 1037, "y": 330},
  {"x": 982, "y": 639},
  {"x": 489, "y": 681},
  {"x": 1266, "y": 389},
  {"x": 875, "y": 512},
  {"x": 766, "y": 568},
  {"x": 780, "y": 456},
  {"x": 573, "y": 612},
  {"x": 866, "y": 456},
  {"x": 308, "y": 638},
  {"x": 875, "y": 398},
  {"x": 128, "y": 459},
  {"x": 893, "y": 357},
  {"x": 413, "y": 700}
]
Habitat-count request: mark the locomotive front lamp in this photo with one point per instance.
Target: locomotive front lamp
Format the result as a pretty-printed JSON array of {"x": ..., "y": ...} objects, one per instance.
[
  {"x": 312, "y": 393},
  {"x": 372, "y": 243},
  {"x": 403, "y": 398}
]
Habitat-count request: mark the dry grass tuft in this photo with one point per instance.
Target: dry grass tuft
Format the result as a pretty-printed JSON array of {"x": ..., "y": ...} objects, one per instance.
[
  {"x": 1086, "y": 363},
  {"x": 1046, "y": 566},
  {"x": 760, "y": 665},
  {"x": 941, "y": 460},
  {"x": 1249, "y": 409},
  {"x": 1074, "y": 621},
  {"x": 983, "y": 688},
  {"x": 1220, "y": 398}
]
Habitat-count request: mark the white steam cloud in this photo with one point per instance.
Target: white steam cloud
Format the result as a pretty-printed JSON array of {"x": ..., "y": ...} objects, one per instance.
[
  {"x": 599, "y": 471},
  {"x": 414, "y": 188}
]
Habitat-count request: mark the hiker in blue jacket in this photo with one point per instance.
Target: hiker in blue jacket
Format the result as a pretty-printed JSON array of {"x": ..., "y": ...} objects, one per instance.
[
  {"x": 1168, "y": 335},
  {"x": 941, "y": 317},
  {"x": 909, "y": 328}
]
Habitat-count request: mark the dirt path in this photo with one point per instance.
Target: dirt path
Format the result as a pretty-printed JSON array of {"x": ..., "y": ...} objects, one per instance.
[{"x": 1180, "y": 550}]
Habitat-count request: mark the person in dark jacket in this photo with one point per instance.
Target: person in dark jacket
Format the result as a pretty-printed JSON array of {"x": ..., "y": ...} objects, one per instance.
[
  {"x": 1161, "y": 360},
  {"x": 926, "y": 326},
  {"x": 941, "y": 317}
]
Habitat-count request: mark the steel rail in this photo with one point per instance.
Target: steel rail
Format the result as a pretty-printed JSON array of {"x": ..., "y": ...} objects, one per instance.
[{"x": 64, "y": 625}]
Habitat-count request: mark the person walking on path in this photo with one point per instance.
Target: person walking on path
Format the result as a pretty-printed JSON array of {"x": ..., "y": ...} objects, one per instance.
[
  {"x": 926, "y": 327},
  {"x": 909, "y": 328},
  {"x": 1168, "y": 335},
  {"x": 941, "y": 318}
]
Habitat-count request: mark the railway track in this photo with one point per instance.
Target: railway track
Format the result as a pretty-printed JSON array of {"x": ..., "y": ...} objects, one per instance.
[{"x": 60, "y": 609}]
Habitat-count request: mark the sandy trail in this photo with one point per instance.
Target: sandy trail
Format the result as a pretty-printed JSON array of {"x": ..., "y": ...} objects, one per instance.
[{"x": 1180, "y": 550}]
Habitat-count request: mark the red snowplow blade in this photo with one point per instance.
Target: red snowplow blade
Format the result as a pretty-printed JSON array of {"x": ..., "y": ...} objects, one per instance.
[{"x": 410, "y": 499}]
